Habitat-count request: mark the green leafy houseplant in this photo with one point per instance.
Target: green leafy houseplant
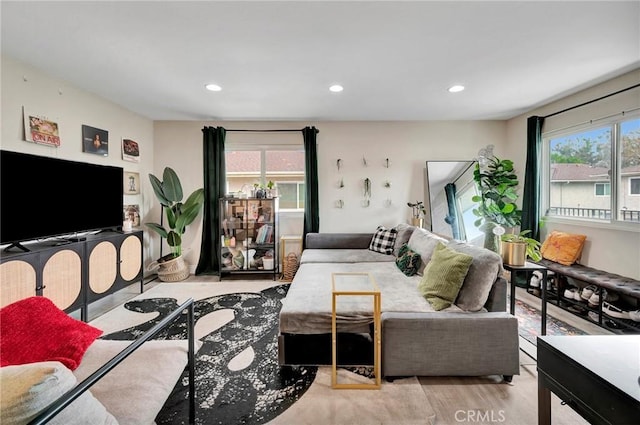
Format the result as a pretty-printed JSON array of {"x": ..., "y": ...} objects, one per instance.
[
  {"x": 179, "y": 215},
  {"x": 533, "y": 246},
  {"x": 496, "y": 181},
  {"x": 417, "y": 209}
]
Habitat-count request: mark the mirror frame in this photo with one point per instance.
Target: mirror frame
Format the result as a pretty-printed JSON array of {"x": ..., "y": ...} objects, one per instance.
[{"x": 458, "y": 168}]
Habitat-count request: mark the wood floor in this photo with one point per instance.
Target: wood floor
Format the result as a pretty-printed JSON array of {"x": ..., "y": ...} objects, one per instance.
[{"x": 470, "y": 400}]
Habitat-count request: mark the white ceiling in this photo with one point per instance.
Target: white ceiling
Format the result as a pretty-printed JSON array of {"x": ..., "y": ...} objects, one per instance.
[{"x": 276, "y": 60}]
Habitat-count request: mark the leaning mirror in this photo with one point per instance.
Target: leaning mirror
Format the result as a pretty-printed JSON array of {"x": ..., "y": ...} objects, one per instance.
[{"x": 449, "y": 187}]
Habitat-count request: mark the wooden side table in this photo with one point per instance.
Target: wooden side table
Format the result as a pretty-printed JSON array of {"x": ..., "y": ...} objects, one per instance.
[{"x": 530, "y": 267}]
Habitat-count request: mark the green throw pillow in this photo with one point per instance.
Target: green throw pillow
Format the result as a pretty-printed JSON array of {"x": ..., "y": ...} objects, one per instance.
[
  {"x": 408, "y": 261},
  {"x": 443, "y": 276}
]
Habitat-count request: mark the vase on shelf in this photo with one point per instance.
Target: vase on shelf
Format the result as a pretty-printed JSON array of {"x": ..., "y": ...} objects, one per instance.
[{"x": 418, "y": 222}]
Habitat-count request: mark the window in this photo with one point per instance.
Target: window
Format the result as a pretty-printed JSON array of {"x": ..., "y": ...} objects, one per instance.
[
  {"x": 253, "y": 167},
  {"x": 603, "y": 189},
  {"x": 634, "y": 186},
  {"x": 594, "y": 171}
]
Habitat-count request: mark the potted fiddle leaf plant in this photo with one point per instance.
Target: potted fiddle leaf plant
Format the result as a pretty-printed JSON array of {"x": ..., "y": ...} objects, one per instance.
[
  {"x": 496, "y": 181},
  {"x": 179, "y": 215}
]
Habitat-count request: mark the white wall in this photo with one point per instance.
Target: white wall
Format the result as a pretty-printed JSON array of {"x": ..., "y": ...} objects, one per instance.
[
  {"x": 408, "y": 145},
  {"x": 70, "y": 107},
  {"x": 616, "y": 250}
]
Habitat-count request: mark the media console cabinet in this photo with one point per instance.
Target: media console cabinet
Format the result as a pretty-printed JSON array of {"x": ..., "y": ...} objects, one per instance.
[{"x": 72, "y": 274}]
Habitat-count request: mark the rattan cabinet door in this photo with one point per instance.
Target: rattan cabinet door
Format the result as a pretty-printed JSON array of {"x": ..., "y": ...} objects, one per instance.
[
  {"x": 130, "y": 258},
  {"x": 103, "y": 267},
  {"x": 17, "y": 281},
  {"x": 62, "y": 277}
]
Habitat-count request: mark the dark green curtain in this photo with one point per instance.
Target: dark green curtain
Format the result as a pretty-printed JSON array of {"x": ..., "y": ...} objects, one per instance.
[
  {"x": 452, "y": 218},
  {"x": 311, "y": 204},
  {"x": 531, "y": 192},
  {"x": 215, "y": 187}
]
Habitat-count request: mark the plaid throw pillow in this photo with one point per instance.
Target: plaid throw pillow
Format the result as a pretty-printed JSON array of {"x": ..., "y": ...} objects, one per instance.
[{"x": 383, "y": 240}]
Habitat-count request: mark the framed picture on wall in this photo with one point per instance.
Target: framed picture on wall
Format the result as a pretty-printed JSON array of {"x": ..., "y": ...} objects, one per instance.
[
  {"x": 130, "y": 150},
  {"x": 131, "y": 183},
  {"x": 39, "y": 129},
  {"x": 132, "y": 213},
  {"x": 95, "y": 140}
]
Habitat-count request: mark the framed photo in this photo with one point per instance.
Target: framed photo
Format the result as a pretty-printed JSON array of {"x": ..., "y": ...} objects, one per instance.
[
  {"x": 95, "y": 141},
  {"x": 40, "y": 129},
  {"x": 131, "y": 183},
  {"x": 130, "y": 150},
  {"x": 132, "y": 213}
]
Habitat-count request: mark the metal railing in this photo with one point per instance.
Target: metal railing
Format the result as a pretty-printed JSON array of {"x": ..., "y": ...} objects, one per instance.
[{"x": 594, "y": 213}]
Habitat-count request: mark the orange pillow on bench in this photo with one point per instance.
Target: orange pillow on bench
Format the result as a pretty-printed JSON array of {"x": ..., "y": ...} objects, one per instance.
[{"x": 563, "y": 248}]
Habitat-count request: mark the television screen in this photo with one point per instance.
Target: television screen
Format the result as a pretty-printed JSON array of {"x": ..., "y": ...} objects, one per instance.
[{"x": 42, "y": 197}]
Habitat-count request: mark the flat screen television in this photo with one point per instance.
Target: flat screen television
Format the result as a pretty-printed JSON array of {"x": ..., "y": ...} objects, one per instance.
[{"x": 43, "y": 197}]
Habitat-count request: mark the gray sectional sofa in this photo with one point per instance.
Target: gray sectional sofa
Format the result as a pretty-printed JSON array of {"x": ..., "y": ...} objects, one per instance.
[{"x": 473, "y": 337}]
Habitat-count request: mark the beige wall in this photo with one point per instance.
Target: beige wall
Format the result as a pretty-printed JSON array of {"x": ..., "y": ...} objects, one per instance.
[
  {"x": 408, "y": 145},
  {"x": 24, "y": 86},
  {"x": 608, "y": 247}
]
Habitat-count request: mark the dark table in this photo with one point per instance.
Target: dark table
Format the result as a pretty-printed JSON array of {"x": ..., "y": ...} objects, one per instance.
[
  {"x": 597, "y": 375},
  {"x": 530, "y": 267}
]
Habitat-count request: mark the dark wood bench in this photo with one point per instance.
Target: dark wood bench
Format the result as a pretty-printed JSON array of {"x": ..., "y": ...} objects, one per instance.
[{"x": 624, "y": 286}]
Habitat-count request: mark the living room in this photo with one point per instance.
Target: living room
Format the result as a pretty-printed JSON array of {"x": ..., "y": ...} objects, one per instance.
[{"x": 406, "y": 143}]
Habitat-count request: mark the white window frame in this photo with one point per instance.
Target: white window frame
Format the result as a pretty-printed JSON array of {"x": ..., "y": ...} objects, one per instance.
[
  {"x": 631, "y": 185},
  {"x": 613, "y": 222},
  {"x": 263, "y": 148},
  {"x": 605, "y": 185}
]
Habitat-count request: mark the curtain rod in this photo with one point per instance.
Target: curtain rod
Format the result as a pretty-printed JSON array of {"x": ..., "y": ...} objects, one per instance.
[
  {"x": 267, "y": 131},
  {"x": 591, "y": 101}
]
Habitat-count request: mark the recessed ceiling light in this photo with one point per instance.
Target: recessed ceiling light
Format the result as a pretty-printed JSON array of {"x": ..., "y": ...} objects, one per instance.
[
  {"x": 213, "y": 87},
  {"x": 336, "y": 88},
  {"x": 456, "y": 89}
]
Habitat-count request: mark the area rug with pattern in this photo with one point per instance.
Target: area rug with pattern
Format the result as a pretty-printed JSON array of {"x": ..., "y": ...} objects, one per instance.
[
  {"x": 238, "y": 378},
  {"x": 529, "y": 323}
]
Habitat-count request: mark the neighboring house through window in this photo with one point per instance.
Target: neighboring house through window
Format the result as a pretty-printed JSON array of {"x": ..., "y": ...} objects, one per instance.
[{"x": 594, "y": 171}]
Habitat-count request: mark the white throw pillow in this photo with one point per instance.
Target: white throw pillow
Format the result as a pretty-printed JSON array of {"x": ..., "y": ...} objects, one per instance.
[{"x": 27, "y": 389}]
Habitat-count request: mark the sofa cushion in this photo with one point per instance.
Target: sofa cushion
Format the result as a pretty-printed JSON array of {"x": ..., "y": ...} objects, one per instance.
[
  {"x": 383, "y": 240},
  {"x": 404, "y": 233},
  {"x": 136, "y": 389},
  {"x": 563, "y": 248},
  {"x": 424, "y": 242},
  {"x": 27, "y": 389},
  {"x": 443, "y": 276},
  {"x": 408, "y": 261},
  {"x": 35, "y": 330},
  {"x": 343, "y": 256},
  {"x": 484, "y": 270}
]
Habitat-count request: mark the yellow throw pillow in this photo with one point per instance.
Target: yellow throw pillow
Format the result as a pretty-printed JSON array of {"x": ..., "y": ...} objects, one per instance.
[
  {"x": 443, "y": 276},
  {"x": 563, "y": 248}
]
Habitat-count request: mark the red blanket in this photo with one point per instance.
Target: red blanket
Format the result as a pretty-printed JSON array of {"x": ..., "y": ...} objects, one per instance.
[{"x": 35, "y": 330}]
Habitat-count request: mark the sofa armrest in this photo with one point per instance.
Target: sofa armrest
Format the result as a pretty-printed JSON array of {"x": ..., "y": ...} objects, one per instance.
[
  {"x": 338, "y": 240},
  {"x": 449, "y": 344},
  {"x": 497, "y": 300}
]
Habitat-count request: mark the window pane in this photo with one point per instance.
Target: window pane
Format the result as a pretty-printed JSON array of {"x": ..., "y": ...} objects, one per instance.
[
  {"x": 577, "y": 163},
  {"x": 301, "y": 195},
  {"x": 629, "y": 186},
  {"x": 243, "y": 170},
  {"x": 286, "y": 169}
]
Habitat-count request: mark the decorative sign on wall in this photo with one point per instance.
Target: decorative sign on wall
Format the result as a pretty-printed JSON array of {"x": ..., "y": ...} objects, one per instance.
[
  {"x": 132, "y": 214},
  {"x": 39, "y": 129},
  {"x": 130, "y": 150},
  {"x": 95, "y": 141},
  {"x": 131, "y": 183}
]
